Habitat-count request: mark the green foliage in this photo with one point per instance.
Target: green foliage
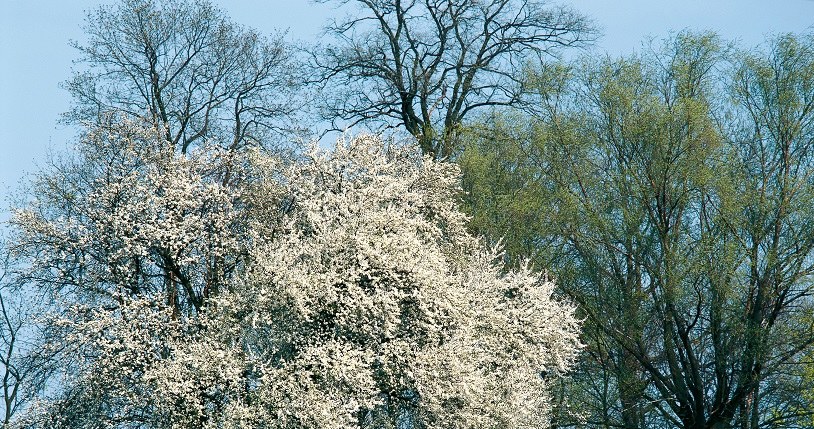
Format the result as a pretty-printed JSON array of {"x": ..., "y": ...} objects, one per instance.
[{"x": 671, "y": 192}]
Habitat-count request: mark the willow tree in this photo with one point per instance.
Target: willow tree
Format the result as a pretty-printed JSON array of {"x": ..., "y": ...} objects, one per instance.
[{"x": 682, "y": 204}]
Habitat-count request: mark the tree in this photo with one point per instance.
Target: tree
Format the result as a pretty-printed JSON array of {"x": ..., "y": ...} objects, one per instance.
[
  {"x": 682, "y": 206},
  {"x": 773, "y": 138},
  {"x": 127, "y": 215},
  {"x": 9, "y": 335},
  {"x": 12, "y": 378},
  {"x": 427, "y": 65},
  {"x": 187, "y": 70},
  {"x": 185, "y": 67},
  {"x": 26, "y": 364},
  {"x": 341, "y": 290}
]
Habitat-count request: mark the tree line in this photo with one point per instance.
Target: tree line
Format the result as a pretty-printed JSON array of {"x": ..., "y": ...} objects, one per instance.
[{"x": 188, "y": 266}]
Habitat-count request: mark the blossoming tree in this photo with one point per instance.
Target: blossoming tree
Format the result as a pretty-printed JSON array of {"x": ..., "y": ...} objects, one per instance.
[{"x": 234, "y": 290}]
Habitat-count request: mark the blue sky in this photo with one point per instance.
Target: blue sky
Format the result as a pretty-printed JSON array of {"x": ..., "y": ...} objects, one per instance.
[{"x": 35, "y": 56}]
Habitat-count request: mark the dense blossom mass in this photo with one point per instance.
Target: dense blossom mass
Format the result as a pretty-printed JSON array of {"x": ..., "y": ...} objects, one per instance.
[{"x": 235, "y": 289}]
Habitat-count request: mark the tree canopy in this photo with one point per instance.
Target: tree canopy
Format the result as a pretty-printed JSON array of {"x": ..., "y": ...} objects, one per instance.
[
  {"x": 427, "y": 65},
  {"x": 188, "y": 69},
  {"x": 338, "y": 291},
  {"x": 679, "y": 187}
]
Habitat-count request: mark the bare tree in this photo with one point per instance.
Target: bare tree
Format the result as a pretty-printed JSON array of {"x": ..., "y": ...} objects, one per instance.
[
  {"x": 24, "y": 366},
  {"x": 186, "y": 68},
  {"x": 12, "y": 379},
  {"x": 426, "y": 64}
]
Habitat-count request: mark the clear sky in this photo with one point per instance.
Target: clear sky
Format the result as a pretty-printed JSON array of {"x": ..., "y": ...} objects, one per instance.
[{"x": 35, "y": 56}]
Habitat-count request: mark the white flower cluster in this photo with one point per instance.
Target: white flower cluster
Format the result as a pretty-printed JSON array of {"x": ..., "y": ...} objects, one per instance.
[
  {"x": 349, "y": 294},
  {"x": 129, "y": 217}
]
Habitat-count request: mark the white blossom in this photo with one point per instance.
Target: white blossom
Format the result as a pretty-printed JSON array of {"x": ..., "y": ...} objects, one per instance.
[{"x": 338, "y": 291}]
